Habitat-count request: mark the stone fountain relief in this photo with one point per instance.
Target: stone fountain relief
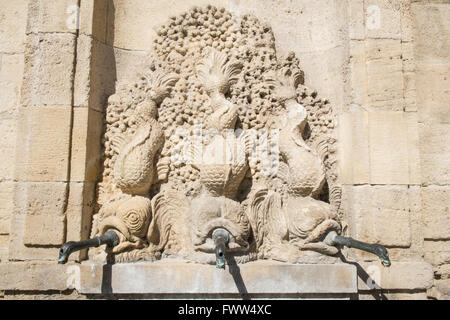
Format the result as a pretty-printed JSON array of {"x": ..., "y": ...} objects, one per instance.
[{"x": 217, "y": 153}]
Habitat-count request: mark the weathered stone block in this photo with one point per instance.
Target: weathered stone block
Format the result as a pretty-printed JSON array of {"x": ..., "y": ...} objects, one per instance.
[
  {"x": 400, "y": 275},
  {"x": 83, "y": 71},
  {"x": 259, "y": 278},
  {"x": 358, "y": 73},
  {"x": 441, "y": 290},
  {"x": 49, "y": 16},
  {"x": 104, "y": 73},
  {"x": 96, "y": 73},
  {"x": 354, "y": 161},
  {"x": 8, "y": 148},
  {"x": 378, "y": 214},
  {"x": 383, "y": 50},
  {"x": 49, "y": 69},
  {"x": 6, "y": 206},
  {"x": 42, "y": 276},
  {"x": 432, "y": 32},
  {"x": 436, "y": 212},
  {"x": 388, "y": 143},
  {"x": 433, "y": 93},
  {"x": 409, "y": 76},
  {"x": 409, "y": 61},
  {"x": 379, "y": 148},
  {"x": 415, "y": 252},
  {"x": 79, "y": 213},
  {"x": 44, "y": 229},
  {"x": 37, "y": 198},
  {"x": 407, "y": 22},
  {"x": 4, "y": 245},
  {"x": 86, "y": 144},
  {"x": 328, "y": 66},
  {"x": 19, "y": 252},
  {"x": 44, "y": 140},
  {"x": 393, "y": 142},
  {"x": 11, "y": 73},
  {"x": 357, "y": 19},
  {"x": 443, "y": 286},
  {"x": 13, "y": 21},
  {"x": 382, "y": 20},
  {"x": 435, "y": 153},
  {"x": 384, "y": 74},
  {"x": 412, "y": 132},
  {"x": 38, "y": 217},
  {"x": 443, "y": 271},
  {"x": 393, "y": 296},
  {"x": 437, "y": 252},
  {"x": 94, "y": 18}
]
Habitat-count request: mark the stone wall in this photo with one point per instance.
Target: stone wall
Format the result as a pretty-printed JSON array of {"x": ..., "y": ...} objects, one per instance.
[{"x": 383, "y": 64}]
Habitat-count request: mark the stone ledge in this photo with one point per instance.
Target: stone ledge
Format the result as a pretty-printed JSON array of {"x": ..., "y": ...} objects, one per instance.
[
  {"x": 400, "y": 276},
  {"x": 29, "y": 276},
  {"x": 260, "y": 277}
]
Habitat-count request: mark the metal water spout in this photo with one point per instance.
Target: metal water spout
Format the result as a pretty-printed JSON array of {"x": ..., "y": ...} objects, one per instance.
[
  {"x": 221, "y": 237},
  {"x": 110, "y": 238},
  {"x": 333, "y": 239}
]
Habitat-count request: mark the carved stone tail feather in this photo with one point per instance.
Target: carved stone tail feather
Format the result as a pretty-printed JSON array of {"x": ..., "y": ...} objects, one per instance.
[
  {"x": 268, "y": 221},
  {"x": 216, "y": 73},
  {"x": 161, "y": 83},
  {"x": 284, "y": 83},
  {"x": 169, "y": 209}
]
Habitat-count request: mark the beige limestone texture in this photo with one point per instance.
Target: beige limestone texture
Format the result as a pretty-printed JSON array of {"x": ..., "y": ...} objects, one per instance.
[
  {"x": 18, "y": 251},
  {"x": 44, "y": 137},
  {"x": 390, "y": 23},
  {"x": 434, "y": 153},
  {"x": 52, "y": 17},
  {"x": 432, "y": 81},
  {"x": 436, "y": 212},
  {"x": 393, "y": 296},
  {"x": 41, "y": 276},
  {"x": 6, "y": 206},
  {"x": 49, "y": 69},
  {"x": 257, "y": 277},
  {"x": 437, "y": 252},
  {"x": 37, "y": 220},
  {"x": 392, "y": 83},
  {"x": 354, "y": 144},
  {"x": 94, "y": 19},
  {"x": 96, "y": 72},
  {"x": 4, "y": 244},
  {"x": 13, "y": 22},
  {"x": 7, "y": 153},
  {"x": 384, "y": 74},
  {"x": 401, "y": 275},
  {"x": 80, "y": 207},
  {"x": 441, "y": 290},
  {"x": 44, "y": 229},
  {"x": 379, "y": 147},
  {"x": 87, "y": 128},
  {"x": 11, "y": 72},
  {"x": 379, "y": 214},
  {"x": 432, "y": 51}
]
